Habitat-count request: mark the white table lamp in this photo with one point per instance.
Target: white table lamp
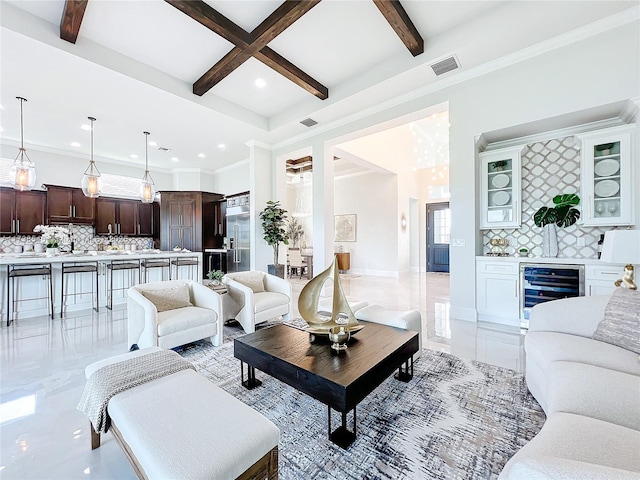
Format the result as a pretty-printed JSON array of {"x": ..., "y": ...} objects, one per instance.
[{"x": 622, "y": 246}]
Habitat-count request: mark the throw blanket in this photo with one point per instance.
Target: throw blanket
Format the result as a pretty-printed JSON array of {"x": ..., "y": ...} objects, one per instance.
[{"x": 112, "y": 379}]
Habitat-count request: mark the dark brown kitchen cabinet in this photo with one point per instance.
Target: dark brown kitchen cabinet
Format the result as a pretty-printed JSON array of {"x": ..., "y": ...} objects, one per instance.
[
  {"x": 124, "y": 217},
  {"x": 69, "y": 205},
  {"x": 220, "y": 218},
  {"x": 187, "y": 220},
  {"x": 20, "y": 212}
]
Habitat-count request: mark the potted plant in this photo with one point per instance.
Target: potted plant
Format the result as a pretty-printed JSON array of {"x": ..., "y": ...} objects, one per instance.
[
  {"x": 52, "y": 237},
  {"x": 295, "y": 231},
  {"x": 274, "y": 221},
  {"x": 215, "y": 276},
  {"x": 562, "y": 214},
  {"x": 499, "y": 165}
]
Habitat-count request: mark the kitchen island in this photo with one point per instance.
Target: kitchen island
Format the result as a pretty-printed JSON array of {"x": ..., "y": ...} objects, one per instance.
[{"x": 79, "y": 286}]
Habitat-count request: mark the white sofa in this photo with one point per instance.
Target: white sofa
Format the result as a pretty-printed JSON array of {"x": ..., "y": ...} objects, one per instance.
[
  {"x": 147, "y": 327},
  {"x": 590, "y": 392},
  {"x": 255, "y": 297}
]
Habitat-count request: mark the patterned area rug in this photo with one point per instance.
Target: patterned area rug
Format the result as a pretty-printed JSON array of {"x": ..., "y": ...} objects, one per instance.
[{"x": 457, "y": 419}]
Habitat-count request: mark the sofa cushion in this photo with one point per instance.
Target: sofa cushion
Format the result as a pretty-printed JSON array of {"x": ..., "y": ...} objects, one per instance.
[
  {"x": 173, "y": 321},
  {"x": 266, "y": 300},
  {"x": 595, "y": 392},
  {"x": 621, "y": 324},
  {"x": 253, "y": 280},
  {"x": 176, "y": 296},
  {"x": 546, "y": 347},
  {"x": 574, "y": 446}
]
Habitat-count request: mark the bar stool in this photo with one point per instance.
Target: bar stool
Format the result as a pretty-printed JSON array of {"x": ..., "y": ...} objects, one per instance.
[
  {"x": 156, "y": 263},
  {"x": 185, "y": 262},
  {"x": 120, "y": 266},
  {"x": 26, "y": 270},
  {"x": 69, "y": 268}
]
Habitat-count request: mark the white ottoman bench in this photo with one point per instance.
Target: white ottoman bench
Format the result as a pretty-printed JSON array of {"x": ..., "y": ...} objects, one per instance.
[
  {"x": 326, "y": 304},
  {"x": 407, "y": 319},
  {"x": 182, "y": 426}
]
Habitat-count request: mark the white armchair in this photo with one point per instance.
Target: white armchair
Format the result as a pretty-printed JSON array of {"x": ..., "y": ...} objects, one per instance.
[
  {"x": 256, "y": 297},
  {"x": 154, "y": 320}
]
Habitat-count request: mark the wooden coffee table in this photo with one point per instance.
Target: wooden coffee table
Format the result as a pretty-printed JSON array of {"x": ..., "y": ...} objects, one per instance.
[{"x": 340, "y": 380}]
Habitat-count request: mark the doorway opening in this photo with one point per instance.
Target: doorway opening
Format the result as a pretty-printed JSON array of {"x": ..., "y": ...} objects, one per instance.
[{"x": 438, "y": 237}]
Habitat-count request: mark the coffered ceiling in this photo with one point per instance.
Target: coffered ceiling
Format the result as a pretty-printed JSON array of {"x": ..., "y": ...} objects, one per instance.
[{"x": 135, "y": 62}]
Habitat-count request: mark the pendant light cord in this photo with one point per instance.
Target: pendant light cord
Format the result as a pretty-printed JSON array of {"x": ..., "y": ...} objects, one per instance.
[
  {"x": 22, "y": 100},
  {"x": 146, "y": 152}
]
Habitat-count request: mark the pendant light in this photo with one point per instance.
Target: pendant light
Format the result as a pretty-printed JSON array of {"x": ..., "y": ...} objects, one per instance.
[
  {"x": 91, "y": 182},
  {"x": 301, "y": 209},
  {"x": 23, "y": 172},
  {"x": 147, "y": 188}
]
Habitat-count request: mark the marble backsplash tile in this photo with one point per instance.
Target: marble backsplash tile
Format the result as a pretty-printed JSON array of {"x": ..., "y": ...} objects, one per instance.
[
  {"x": 83, "y": 238},
  {"x": 549, "y": 168}
]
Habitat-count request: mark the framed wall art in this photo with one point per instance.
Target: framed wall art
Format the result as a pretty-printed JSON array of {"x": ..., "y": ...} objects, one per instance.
[{"x": 345, "y": 226}]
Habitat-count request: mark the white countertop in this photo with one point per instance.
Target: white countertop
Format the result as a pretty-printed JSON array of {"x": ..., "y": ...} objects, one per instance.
[
  {"x": 24, "y": 258},
  {"x": 556, "y": 260}
]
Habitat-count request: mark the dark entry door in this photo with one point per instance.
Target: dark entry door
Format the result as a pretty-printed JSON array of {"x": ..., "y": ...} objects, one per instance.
[{"x": 438, "y": 234}]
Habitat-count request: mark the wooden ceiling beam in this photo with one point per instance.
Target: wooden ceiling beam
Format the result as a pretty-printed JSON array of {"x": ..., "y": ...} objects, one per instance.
[
  {"x": 399, "y": 20},
  {"x": 72, "y": 19},
  {"x": 251, "y": 44}
]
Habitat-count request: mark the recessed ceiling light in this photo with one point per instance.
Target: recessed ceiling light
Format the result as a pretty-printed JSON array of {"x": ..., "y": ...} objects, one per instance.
[
  {"x": 75, "y": 144},
  {"x": 201, "y": 155},
  {"x": 174, "y": 159},
  {"x": 260, "y": 83},
  {"x": 133, "y": 156},
  {"x": 85, "y": 127},
  {"x": 222, "y": 146},
  {"x": 152, "y": 143}
]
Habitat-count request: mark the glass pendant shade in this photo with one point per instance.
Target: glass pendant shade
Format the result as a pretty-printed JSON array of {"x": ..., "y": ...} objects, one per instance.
[
  {"x": 91, "y": 182},
  {"x": 147, "y": 188},
  {"x": 23, "y": 171}
]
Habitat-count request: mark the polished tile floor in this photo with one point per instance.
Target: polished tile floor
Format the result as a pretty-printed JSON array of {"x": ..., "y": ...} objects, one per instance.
[{"x": 43, "y": 436}]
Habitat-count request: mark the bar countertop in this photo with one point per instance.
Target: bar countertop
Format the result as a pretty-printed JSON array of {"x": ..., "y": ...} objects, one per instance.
[{"x": 103, "y": 256}]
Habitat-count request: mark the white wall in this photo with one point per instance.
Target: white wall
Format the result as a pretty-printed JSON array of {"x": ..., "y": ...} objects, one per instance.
[
  {"x": 568, "y": 79},
  {"x": 232, "y": 179},
  {"x": 373, "y": 198}
]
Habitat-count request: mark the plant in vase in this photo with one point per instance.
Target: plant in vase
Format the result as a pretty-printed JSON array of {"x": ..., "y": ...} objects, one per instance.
[
  {"x": 274, "y": 220},
  {"x": 295, "y": 231},
  {"x": 52, "y": 236},
  {"x": 562, "y": 214},
  {"x": 499, "y": 165},
  {"x": 215, "y": 276}
]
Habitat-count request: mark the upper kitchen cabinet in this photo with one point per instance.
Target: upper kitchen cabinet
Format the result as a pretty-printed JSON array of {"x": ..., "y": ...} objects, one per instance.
[
  {"x": 20, "y": 212},
  {"x": 124, "y": 217},
  {"x": 69, "y": 205},
  {"x": 500, "y": 188},
  {"x": 606, "y": 176},
  {"x": 188, "y": 220}
]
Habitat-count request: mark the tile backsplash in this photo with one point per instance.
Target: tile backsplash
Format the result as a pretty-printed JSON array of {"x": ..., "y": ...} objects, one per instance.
[
  {"x": 549, "y": 168},
  {"x": 83, "y": 238}
]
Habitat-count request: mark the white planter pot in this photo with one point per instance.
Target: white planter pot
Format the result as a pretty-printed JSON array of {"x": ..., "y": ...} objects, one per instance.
[{"x": 549, "y": 241}]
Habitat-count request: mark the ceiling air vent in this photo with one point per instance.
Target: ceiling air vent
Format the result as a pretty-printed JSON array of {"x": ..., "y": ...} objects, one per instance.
[
  {"x": 446, "y": 65},
  {"x": 309, "y": 122}
]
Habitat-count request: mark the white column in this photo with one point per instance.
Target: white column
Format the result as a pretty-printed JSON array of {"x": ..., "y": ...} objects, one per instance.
[
  {"x": 323, "y": 188},
  {"x": 262, "y": 190}
]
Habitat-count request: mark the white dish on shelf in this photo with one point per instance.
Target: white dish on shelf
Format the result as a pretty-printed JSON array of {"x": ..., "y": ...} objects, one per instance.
[
  {"x": 112, "y": 252},
  {"x": 607, "y": 167},
  {"x": 500, "y": 180},
  {"x": 607, "y": 188},
  {"x": 501, "y": 198}
]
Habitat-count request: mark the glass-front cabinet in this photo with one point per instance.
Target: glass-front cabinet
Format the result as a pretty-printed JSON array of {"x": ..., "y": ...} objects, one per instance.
[
  {"x": 606, "y": 176},
  {"x": 500, "y": 188}
]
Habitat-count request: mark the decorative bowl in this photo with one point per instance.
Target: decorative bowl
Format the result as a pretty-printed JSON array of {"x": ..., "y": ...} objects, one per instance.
[{"x": 339, "y": 336}]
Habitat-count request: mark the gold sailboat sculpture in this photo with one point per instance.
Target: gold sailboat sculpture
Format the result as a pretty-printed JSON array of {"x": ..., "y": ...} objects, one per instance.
[{"x": 310, "y": 296}]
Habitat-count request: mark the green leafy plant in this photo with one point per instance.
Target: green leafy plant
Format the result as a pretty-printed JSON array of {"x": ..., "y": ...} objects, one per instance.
[
  {"x": 215, "y": 275},
  {"x": 563, "y": 213},
  {"x": 295, "y": 231},
  {"x": 274, "y": 221},
  {"x": 499, "y": 165}
]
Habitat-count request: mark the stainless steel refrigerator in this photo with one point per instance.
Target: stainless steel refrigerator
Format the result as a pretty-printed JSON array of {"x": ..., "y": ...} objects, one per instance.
[{"x": 238, "y": 235}]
